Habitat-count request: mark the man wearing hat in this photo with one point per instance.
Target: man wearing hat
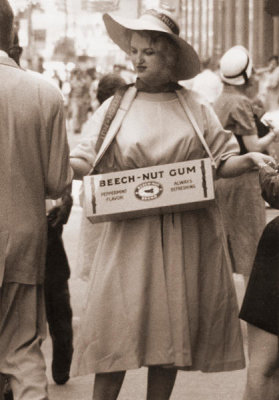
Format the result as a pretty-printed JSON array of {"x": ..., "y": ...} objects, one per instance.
[{"x": 34, "y": 165}]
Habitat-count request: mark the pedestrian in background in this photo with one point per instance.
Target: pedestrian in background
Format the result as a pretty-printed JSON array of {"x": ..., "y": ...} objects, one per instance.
[
  {"x": 108, "y": 85},
  {"x": 264, "y": 125},
  {"x": 269, "y": 77},
  {"x": 161, "y": 295},
  {"x": 240, "y": 197},
  {"x": 207, "y": 82},
  {"x": 34, "y": 163},
  {"x": 78, "y": 99},
  {"x": 57, "y": 296}
]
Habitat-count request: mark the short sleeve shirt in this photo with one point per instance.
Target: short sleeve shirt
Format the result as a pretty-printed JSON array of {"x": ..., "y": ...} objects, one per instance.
[{"x": 236, "y": 114}]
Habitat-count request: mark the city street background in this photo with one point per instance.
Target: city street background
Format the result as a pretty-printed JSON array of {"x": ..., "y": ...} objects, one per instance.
[
  {"x": 62, "y": 36},
  {"x": 59, "y": 37}
]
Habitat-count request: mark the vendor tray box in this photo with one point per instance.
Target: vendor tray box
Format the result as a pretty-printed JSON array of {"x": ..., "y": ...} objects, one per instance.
[{"x": 147, "y": 191}]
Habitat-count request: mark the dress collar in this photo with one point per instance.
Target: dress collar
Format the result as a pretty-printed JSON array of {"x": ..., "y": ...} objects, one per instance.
[{"x": 167, "y": 87}]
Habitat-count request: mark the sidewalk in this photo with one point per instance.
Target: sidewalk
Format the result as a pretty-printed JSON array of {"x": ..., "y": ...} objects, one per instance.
[{"x": 189, "y": 385}]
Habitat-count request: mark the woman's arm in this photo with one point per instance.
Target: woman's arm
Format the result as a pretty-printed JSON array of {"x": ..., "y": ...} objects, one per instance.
[
  {"x": 246, "y": 128},
  {"x": 254, "y": 143},
  {"x": 263, "y": 70},
  {"x": 237, "y": 165}
]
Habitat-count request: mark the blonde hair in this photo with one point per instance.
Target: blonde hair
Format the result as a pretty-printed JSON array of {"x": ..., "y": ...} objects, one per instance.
[{"x": 164, "y": 44}]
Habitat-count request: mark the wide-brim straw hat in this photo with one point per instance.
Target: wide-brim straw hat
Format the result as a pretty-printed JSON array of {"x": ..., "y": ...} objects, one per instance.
[
  {"x": 119, "y": 29},
  {"x": 236, "y": 66}
]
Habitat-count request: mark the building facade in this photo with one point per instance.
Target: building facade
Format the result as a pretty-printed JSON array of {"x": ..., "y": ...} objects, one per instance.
[{"x": 213, "y": 26}]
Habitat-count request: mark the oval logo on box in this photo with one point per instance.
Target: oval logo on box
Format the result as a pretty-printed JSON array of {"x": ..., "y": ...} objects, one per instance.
[{"x": 148, "y": 191}]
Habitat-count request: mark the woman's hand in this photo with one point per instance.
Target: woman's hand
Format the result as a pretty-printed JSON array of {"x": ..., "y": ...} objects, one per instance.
[
  {"x": 261, "y": 160},
  {"x": 269, "y": 181},
  {"x": 237, "y": 165},
  {"x": 273, "y": 129}
]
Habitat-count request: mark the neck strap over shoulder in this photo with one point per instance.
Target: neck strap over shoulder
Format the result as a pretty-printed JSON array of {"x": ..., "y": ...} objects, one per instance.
[
  {"x": 196, "y": 127},
  {"x": 111, "y": 112}
]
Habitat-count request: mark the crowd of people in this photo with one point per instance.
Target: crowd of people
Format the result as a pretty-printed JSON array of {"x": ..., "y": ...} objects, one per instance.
[
  {"x": 86, "y": 92},
  {"x": 80, "y": 90},
  {"x": 160, "y": 289}
]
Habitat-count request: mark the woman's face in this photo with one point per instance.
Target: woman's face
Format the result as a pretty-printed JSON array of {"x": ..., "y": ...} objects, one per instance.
[{"x": 148, "y": 60}]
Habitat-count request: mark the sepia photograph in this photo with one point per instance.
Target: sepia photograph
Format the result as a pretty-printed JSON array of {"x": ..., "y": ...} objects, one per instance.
[{"x": 139, "y": 199}]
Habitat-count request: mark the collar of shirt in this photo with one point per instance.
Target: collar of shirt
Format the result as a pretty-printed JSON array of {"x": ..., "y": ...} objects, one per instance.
[{"x": 3, "y": 54}]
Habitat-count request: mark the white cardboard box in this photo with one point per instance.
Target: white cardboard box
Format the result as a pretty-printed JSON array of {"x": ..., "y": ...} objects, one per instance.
[{"x": 146, "y": 191}]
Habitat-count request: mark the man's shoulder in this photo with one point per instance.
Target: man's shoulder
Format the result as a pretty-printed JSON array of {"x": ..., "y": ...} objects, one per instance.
[{"x": 43, "y": 84}]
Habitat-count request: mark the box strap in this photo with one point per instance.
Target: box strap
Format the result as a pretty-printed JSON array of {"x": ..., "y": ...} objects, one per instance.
[
  {"x": 195, "y": 125},
  {"x": 110, "y": 114},
  {"x": 114, "y": 116}
]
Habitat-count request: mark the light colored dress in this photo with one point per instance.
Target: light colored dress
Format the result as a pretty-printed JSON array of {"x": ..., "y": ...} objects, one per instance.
[
  {"x": 161, "y": 291},
  {"x": 89, "y": 237}
]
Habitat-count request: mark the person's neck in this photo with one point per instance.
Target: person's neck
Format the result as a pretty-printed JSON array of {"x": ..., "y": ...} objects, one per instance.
[
  {"x": 234, "y": 88},
  {"x": 242, "y": 89},
  {"x": 149, "y": 87}
]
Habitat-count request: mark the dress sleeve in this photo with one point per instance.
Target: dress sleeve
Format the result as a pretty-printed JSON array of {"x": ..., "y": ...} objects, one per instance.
[
  {"x": 243, "y": 117},
  {"x": 86, "y": 149},
  {"x": 221, "y": 142}
]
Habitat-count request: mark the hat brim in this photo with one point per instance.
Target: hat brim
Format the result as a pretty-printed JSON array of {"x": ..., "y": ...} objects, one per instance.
[{"x": 119, "y": 30}]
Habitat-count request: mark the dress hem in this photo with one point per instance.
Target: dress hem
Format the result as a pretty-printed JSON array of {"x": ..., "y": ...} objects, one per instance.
[{"x": 219, "y": 367}]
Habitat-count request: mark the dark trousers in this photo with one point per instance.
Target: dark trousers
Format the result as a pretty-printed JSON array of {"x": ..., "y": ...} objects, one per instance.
[
  {"x": 58, "y": 307},
  {"x": 261, "y": 301}
]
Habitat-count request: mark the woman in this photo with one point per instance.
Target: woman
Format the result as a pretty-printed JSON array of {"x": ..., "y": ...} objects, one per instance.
[
  {"x": 79, "y": 99},
  {"x": 260, "y": 308},
  {"x": 240, "y": 197},
  {"x": 161, "y": 294}
]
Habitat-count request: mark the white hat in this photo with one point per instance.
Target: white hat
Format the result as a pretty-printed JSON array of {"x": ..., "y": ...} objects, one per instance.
[
  {"x": 188, "y": 64},
  {"x": 236, "y": 66}
]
